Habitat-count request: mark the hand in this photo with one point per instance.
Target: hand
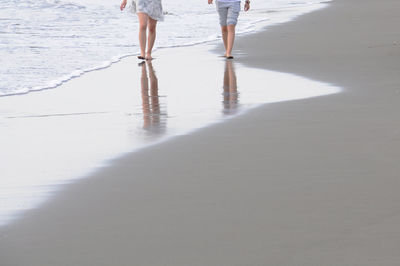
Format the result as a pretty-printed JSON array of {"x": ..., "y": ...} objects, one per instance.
[
  {"x": 246, "y": 6},
  {"x": 123, "y": 5},
  {"x": 210, "y": 2}
]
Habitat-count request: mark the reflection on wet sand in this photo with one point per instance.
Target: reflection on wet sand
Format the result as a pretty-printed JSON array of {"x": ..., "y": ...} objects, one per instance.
[
  {"x": 230, "y": 94},
  {"x": 104, "y": 123},
  {"x": 154, "y": 114}
]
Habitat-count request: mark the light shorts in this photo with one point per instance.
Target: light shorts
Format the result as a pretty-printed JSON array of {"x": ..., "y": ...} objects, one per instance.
[{"x": 228, "y": 12}]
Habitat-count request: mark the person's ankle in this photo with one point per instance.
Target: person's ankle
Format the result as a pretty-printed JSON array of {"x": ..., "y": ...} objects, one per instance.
[{"x": 148, "y": 56}]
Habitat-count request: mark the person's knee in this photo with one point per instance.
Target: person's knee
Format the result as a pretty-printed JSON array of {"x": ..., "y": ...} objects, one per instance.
[
  {"x": 231, "y": 28},
  {"x": 224, "y": 29},
  {"x": 152, "y": 28},
  {"x": 232, "y": 20},
  {"x": 143, "y": 27}
]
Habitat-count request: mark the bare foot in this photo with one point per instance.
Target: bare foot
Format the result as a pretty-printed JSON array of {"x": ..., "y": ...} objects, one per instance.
[{"x": 148, "y": 57}]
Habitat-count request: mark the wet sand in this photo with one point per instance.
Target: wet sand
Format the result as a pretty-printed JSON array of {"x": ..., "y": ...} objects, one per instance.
[
  {"x": 310, "y": 182},
  {"x": 60, "y": 135}
]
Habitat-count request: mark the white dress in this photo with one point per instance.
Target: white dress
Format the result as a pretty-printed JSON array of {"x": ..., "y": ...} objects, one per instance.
[{"x": 153, "y": 8}]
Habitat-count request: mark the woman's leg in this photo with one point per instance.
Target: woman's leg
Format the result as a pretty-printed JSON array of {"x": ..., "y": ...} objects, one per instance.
[
  {"x": 143, "y": 19},
  {"x": 230, "y": 40},
  {"x": 152, "y": 37},
  {"x": 224, "y": 31}
]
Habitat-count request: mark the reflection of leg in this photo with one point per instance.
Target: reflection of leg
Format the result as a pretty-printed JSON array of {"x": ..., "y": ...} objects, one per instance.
[
  {"x": 230, "y": 40},
  {"x": 230, "y": 87},
  {"x": 226, "y": 87},
  {"x": 152, "y": 37},
  {"x": 226, "y": 77},
  {"x": 143, "y": 19},
  {"x": 232, "y": 78},
  {"x": 233, "y": 94},
  {"x": 145, "y": 96},
  {"x": 154, "y": 100}
]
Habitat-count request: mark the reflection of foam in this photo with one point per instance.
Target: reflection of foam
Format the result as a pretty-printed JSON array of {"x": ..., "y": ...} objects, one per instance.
[{"x": 41, "y": 150}]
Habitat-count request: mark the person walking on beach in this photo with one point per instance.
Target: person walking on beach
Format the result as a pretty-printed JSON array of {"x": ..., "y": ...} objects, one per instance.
[
  {"x": 148, "y": 12},
  {"x": 228, "y": 11}
]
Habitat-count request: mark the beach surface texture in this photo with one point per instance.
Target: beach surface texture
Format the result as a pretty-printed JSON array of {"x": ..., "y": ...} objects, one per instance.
[{"x": 307, "y": 182}]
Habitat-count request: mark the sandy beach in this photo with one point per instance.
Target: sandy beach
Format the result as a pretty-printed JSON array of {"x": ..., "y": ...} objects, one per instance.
[{"x": 299, "y": 182}]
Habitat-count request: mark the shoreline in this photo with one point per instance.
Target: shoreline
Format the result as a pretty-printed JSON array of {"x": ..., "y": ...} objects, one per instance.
[
  {"x": 305, "y": 182},
  {"x": 77, "y": 73}
]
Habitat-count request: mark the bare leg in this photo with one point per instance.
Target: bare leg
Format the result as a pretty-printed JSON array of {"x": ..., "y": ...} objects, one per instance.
[
  {"x": 224, "y": 31},
  {"x": 143, "y": 19},
  {"x": 230, "y": 40},
  {"x": 152, "y": 37}
]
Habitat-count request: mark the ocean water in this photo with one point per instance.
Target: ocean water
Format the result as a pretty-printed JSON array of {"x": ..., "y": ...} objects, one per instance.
[{"x": 46, "y": 42}]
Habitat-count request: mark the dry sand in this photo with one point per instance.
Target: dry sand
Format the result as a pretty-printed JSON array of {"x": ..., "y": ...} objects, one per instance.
[{"x": 311, "y": 182}]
